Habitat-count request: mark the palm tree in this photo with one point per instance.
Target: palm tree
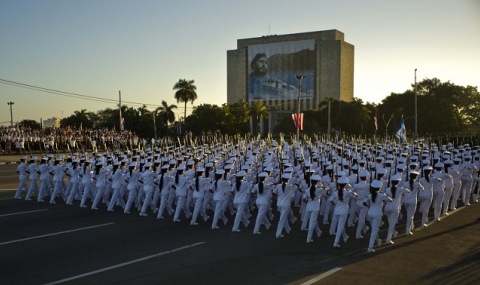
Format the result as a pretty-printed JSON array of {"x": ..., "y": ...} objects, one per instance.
[
  {"x": 166, "y": 112},
  {"x": 185, "y": 92},
  {"x": 258, "y": 110}
]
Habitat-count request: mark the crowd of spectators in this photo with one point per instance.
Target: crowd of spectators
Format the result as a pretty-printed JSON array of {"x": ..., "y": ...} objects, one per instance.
[{"x": 52, "y": 140}]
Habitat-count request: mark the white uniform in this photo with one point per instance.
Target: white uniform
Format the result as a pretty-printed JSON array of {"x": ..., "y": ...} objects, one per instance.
[
  {"x": 284, "y": 194},
  {"x": 312, "y": 209},
  {"x": 341, "y": 211},
  {"x": 393, "y": 209},
  {"x": 240, "y": 201},
  {"x": 374, "y": 215},
  {"x": 22, "y": 176},
  {"x": 262, "y": 201},
  {"x": 219, "y": 187},
  {"x": 200, "y": 186}
]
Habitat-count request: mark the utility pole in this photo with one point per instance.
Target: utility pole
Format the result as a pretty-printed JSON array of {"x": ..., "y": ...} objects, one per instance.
[
  {"x": 415, "y": 88},
  {"x": 11, "y": 113},
  {"x": 120, "y": 108}
]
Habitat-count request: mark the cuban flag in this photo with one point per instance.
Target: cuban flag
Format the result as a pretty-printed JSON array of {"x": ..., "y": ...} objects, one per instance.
[
  {"x": 401, "y": 133},
  {"x": 122, "y": 124},
  {"x": 298, "y": 121},
  {"x": 376, "y": 125}
]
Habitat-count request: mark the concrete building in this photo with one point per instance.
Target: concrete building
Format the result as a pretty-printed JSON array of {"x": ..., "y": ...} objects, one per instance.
[
  {"x": 51, "y": 123},
  {"x": 323, "y": 57}
]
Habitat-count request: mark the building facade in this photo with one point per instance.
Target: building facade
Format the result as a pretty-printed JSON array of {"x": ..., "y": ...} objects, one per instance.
[
  {"x": 51, "y": 123},
  {"x": 268, "y": 69}
]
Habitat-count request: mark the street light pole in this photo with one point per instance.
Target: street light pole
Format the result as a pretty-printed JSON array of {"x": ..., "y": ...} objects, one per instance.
[
  {"x": 11, "y": 113},
  {"x": 300, "y": 79},
  {"x": 415, "y": 88}
]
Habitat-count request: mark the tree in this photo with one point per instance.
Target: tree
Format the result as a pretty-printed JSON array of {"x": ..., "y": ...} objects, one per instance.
[
  {"x": 32, "y": 124},
  {"x": 237, "y": 117},
  {"x": 206, "y": 117},
  {"x": 258, "y": 110},
  {"x": 79, "y": 118},
  {"x": 186, "y": 91},
  {"x": 166, "y": 112},
  {"x": 364, "y": 116}
]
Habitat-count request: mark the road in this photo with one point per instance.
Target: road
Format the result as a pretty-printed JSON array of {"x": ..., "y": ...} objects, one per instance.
[{"x": 42, "y": 243}]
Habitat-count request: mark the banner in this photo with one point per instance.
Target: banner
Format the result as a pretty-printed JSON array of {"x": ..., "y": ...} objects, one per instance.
[{"x": 273, "y": 68}]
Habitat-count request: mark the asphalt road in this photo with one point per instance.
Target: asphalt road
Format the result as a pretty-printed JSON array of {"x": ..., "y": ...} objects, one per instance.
[{"x": 42, "y": 243}]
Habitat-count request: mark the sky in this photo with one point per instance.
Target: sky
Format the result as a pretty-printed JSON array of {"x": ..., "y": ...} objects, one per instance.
[{"x": 141, "y": 48}]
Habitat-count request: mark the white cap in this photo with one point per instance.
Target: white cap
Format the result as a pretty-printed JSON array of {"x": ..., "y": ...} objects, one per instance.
[
  {"x": 439, "y": 165},
  {"x": 376, "y": 184},
  {"x": 363, "y": 173},
  {"x": 396, "y": 177},
  {"x": 382, "y": 171},
  {"x": 316, "y": 178},
  {"x": 286, "y": 176},
  {"x": 343, "y": 180},
  {"x": 413, "y": 172}
]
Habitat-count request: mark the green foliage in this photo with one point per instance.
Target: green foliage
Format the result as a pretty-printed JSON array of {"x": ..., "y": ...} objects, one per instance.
[
  {"x": 258, "y": 110},
  {"x": 32, "y": 124},
  {"x": 79, "y": 118},
  {"x": 443, "y": 108},
  {"x": 237, "y": 117},
  {"x": 186, "y": 92},
  {"x": 206, "y": 117}
]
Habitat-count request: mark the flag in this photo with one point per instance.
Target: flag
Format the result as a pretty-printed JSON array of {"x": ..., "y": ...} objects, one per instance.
[
  {"x": 376, "y": 125},
  {"x": 298, "y": 122},
  {"x": 122, "y": 124},
  {"x": 401, "y": 133},
  {"x": 81, "y": 125}
]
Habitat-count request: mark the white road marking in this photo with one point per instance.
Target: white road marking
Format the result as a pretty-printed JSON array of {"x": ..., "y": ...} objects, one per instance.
[
  {"x": 431, "y": 222},
  {"x": 54, "y": 234},
  {"x": 321, "y": 276},
  {"x": 125, "y": 263},
  {"x": 20, "y": 213}
]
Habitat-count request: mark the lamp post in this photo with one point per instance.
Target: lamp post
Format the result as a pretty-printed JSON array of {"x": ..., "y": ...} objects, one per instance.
[
  {"x": 415, "y": 90},
  {"x": 11, "y": 113},
  {"x": 300, "y": 79}
]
